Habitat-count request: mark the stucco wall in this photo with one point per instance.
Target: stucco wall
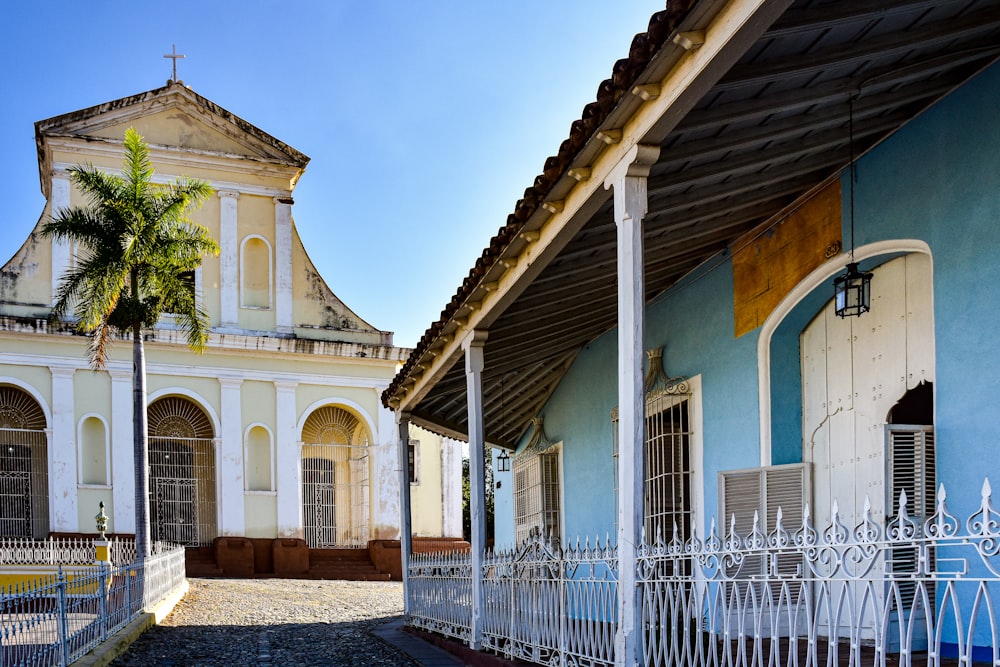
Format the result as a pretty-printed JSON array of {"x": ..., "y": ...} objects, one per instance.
[{"x": 937, "y": 180}]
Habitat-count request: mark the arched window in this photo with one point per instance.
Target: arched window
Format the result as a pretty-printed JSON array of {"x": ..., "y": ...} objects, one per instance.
[
  {"x": 259, "y": 459},
  {"x": 335, "y": 478},
  {"x": 255, "y": 272},
  {"x": 182, "y": 507},
  {"x": 93, "y": 455},
  {"x": 24, "y": 489}
]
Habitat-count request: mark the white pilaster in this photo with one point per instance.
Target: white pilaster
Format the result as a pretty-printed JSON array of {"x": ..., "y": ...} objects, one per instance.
[
  {"x": 451, "y": 488},
  {"x": 231, "y": 506},
  {"x": 60, "y": 247},
  {"x": 62, "y": 454},
  {"x": 629, "y": 182},
  {"x": 283, "y": 264},
  {"x": 229, "y": 260},
  {"x": 385, "y": 486},
  {"x": 405, "y": 517},
  {"x": 289, "y": 462},
  {"x": 473, "y": 346},
  {"x": 122, "y": 457}
]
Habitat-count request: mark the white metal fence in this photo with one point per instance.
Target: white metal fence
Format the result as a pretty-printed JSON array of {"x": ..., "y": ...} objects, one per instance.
[
  {"x": 541, "y": 603},
  {"x": 55, "y": 619},
  {"x": 904, "y": 593}
]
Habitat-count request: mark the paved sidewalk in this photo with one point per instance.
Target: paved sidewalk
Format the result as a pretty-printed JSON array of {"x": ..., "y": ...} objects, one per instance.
[{"x": 284, "y": 623}]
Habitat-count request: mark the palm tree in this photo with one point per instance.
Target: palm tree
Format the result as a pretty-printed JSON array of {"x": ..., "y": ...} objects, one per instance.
[{"x": 136, "y": 251}]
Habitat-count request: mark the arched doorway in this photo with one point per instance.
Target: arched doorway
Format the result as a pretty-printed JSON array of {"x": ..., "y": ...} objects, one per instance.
[
  {"x": 867, "y": 423},
  {"x": 182, "y": 507},
  {"x": 854, "y": 371},
  {"x": 335, "y": 479},
  {"x": 24, "y": 489}
]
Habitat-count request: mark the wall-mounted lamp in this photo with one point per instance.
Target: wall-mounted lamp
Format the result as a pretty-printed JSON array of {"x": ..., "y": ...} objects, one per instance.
[{"x": 503, "y": 462}]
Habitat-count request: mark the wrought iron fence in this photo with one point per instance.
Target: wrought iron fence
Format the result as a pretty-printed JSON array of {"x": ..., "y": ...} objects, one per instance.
[
  {"x": 56, "y": 619},
  {"x": 905, "y": 592},
  {"x": 440, "y": 593},
  {"x": 552, "y": 606},
  {"x": 541, "y": 603}
]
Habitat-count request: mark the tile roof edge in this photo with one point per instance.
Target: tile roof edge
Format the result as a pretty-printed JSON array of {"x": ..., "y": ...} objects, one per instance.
[{"x": 625, "y": 73}]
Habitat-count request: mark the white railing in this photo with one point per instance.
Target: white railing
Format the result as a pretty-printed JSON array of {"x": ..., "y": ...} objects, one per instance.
[
  {"x": 907, "y": 592},
  {"x": 552, "y": 606},
  {"x": 56, "y": 619},
  {"x": 66, "y": 551},
  {"x": 541, "y": 603},
  {"x": 440, "y": 593},
  {"x": 916, "y": 591}
]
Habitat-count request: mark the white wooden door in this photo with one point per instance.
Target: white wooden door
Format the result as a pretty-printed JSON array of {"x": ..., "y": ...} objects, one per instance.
[{"x": 853, "y": 371}]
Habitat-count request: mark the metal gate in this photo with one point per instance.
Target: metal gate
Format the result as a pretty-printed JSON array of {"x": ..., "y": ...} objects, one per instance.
[
  {"x": 24, "y": 495},
  {"x": 335, "y": 495},
  {"x": 182, "y": 490}
]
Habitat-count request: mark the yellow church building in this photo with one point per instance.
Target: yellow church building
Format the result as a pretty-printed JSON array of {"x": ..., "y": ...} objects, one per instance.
[{"x": 272, "y": 443}]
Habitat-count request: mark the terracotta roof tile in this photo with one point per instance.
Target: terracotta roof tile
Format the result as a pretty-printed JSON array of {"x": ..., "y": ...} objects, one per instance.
[{"x": 624, "y": 74}]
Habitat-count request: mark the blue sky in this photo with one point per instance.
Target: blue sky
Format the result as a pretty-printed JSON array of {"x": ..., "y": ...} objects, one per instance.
[{"x": 425, "y": 121}]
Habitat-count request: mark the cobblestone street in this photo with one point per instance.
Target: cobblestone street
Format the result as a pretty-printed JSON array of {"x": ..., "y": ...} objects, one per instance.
[{"x": 273, "y": 623}]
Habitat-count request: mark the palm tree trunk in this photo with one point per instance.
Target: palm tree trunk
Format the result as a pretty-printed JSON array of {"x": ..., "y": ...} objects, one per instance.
[{"x": 139, "y": 450}]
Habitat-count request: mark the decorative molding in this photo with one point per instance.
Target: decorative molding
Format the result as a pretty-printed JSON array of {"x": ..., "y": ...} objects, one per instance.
[{"x": 161, "y": 177}]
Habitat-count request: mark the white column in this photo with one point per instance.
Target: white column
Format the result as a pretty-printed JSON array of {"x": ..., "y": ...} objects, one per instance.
[
  {"x": 122, "y": 457},
  {"x": 289, "y": 462},
  {"x": 473, "y": 346},
  {"x": 229, "y": 260},
  {"x": 629, "y": 182},
  {"x": 60, "y": 247},
  {"x": 405, "y": 517},
  {"x": 231, "y": 508},
  {"x": 385, "y": 485},
  {"x": 62, "y": 454},
  {"x": 283, "y": 264}
]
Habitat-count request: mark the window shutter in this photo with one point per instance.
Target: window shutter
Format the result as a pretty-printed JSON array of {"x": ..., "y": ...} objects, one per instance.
[
  {"x": 764, "y": 490},
  {"x": 911, "y": 469}
]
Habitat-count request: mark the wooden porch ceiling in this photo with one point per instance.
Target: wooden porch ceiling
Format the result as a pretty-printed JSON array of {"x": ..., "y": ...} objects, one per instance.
[{"x": 771, "y": 130}]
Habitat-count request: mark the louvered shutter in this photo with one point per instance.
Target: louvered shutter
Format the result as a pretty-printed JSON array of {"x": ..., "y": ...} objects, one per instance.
[
  {"x": 911, "y": 469},
  {"x": 764, "y": 490}
]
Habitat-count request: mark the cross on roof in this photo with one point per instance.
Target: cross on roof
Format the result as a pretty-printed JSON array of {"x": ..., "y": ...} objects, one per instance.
[{"x": 173, "y": 55}]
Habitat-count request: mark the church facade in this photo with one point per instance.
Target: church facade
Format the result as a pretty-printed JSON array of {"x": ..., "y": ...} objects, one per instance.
[{"x": 274, "y": 432}]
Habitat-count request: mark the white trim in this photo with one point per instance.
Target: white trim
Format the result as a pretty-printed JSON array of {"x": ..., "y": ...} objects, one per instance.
[
  {"x": 79, "y": 452},
  {"x": 803, "y": 289},
  {"x": 283, "y": 298},
  {"x": 125, "y": 368},
  {"x": 194, "y": 396},
  {"x": 186, "y": 159},
  {"x": 697, "y": 452},
  {"x": 61, "y": 252},
  {"x": 27, "y": 388},
  {"x": 246, "y": 458},
  {"x": 270, "y": 272},
  {"x": 228, "y": 258},
  {"x": 338, "y": 403}
]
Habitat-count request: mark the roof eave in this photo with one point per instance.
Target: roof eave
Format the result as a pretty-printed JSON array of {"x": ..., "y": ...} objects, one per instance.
[{"x": 658, "y": 97}]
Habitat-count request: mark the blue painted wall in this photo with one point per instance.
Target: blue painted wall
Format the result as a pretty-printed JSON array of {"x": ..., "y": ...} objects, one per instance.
[{"x": 937, "y": 180}]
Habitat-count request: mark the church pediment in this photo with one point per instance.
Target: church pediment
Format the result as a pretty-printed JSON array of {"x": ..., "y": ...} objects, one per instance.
[{"x": 172, "y": 117}]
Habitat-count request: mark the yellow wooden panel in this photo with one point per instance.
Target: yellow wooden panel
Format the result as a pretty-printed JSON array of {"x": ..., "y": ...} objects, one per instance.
[{"x": 768, "y": 263}]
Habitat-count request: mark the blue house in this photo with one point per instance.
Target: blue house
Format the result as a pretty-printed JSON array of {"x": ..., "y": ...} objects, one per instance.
[{"x": 653, "y": 348}]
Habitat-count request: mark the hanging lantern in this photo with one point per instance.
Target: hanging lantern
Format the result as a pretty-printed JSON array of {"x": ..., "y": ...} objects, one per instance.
[
  {"x": 852, "y": 292},
  {"x": 503, "y": 461}
]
